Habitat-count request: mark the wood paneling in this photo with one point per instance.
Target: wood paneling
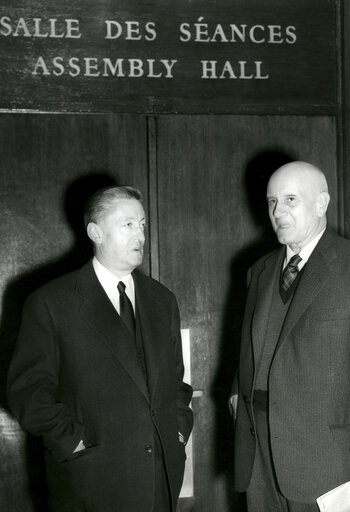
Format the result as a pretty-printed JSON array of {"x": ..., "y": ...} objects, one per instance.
[
  {"x": 49, "y": 165},
  {"x": 212, "y": 173},
  {"x": 345, "y": 105},
  {"x": 205, "y": 179}
]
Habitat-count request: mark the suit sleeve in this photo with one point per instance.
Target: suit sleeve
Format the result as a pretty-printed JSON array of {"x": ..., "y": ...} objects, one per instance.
[
  {"x": 33, "y": 382},
  {"x": 184, "y": 391},
  {"x": 233, "y": 399}
]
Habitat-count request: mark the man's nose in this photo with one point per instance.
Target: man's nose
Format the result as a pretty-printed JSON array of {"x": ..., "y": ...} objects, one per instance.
[
  {"x": 279, "y": 209},
  {"x": 139, "y": 233}
]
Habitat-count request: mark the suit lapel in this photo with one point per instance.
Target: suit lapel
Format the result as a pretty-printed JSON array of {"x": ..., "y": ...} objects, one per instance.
[
  {"x": 265, "y": 288},
  {"x": 99, "y": 313},
  {"x": 316, "y": 272},
  {"x": 149, "y": 317}
]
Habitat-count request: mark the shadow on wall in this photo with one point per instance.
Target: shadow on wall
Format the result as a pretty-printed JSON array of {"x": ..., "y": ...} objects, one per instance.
[
  {"x": 257, "y": 174},
  {"x": 29, "y": 460}
]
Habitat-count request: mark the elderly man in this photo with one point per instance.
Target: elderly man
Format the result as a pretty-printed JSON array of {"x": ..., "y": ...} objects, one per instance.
[
  {"x": 292, "y": 436},
  {"x": 97, "y": 372}
]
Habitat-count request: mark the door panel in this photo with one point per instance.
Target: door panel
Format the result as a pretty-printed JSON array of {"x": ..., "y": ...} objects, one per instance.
[
  {"x": 49, "y": 165},
  {"x": 212, "y": 173}
]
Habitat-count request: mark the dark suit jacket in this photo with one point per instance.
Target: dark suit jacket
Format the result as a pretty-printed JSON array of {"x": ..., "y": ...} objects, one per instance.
[
  {"x": 309, "y": 381},
  {"x": 74, "y": 375}
]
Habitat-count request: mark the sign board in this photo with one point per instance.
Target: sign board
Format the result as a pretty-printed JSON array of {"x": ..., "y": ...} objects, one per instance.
[{"x": 149, "y": 57}]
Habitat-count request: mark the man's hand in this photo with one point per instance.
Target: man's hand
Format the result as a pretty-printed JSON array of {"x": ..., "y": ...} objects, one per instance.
[
  {"x": 81, "y": 446},
  {"x": 182, "y": 439},
  {"x": 232, "y": 404}
]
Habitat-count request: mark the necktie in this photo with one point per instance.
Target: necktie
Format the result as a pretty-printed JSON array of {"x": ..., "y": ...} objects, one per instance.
[
  {"x": 126, "y": 309},
  {"x": 290, "y": 272}
]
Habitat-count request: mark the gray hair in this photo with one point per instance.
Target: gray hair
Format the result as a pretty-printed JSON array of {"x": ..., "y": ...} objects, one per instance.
[{"x": 103, "y": 201}]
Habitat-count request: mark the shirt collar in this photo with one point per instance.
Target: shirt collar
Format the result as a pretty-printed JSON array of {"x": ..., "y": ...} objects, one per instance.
[
  {"x": 106, "y": 275},
  {"x": 305, "y": 252},
  {"x": 109, "y": 283}
]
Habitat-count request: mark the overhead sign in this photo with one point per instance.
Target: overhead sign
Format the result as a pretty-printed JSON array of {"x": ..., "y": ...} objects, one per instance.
[{"x": 247, "y": 56}]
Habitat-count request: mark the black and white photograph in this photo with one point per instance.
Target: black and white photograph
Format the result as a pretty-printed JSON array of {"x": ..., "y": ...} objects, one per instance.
[{"x": 175, "y": 262}]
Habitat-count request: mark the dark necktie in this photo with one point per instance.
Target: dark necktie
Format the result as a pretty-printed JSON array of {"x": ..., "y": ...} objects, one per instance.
[
  {"x": 290, "y": 272},
  {"x": 126, "y": 309}
]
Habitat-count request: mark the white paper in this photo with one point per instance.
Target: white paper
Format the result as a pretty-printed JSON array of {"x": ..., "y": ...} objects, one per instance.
[{"x": 336, "y": 500}]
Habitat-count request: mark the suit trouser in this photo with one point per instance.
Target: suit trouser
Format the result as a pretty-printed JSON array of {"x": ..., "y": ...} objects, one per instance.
[
  {"x": 263, "y": 494},
  {"x": 161, "y": 489}
]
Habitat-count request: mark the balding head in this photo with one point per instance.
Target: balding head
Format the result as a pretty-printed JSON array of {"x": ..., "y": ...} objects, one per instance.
[
  {"x": 309, "y": 175},
  {"x": 297, "y": 195}
]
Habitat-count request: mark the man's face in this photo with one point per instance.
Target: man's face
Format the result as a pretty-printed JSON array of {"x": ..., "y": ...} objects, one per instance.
[
  {"x": 293, "y": 211},
  {"x": 121, "y": 237}
]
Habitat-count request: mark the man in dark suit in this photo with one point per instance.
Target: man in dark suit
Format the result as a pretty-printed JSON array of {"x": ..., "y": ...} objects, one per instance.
[
  {"x": 98, "y": 373},
  {"x": 292, "y": 435}
]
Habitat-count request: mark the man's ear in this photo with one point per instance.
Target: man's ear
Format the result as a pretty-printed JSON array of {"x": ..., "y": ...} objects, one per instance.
[
  {"x": 94, "y": 232},
  {"x": 322, "y": 203}
]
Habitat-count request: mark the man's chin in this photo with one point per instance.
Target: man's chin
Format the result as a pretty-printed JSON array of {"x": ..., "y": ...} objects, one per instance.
[
  {"x": 283, "y": 239},
  {"x": 138, "y": 259}
]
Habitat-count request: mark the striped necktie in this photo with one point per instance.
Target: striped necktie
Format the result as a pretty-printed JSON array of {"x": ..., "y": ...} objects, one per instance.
[{"x": 290, "y": 272}]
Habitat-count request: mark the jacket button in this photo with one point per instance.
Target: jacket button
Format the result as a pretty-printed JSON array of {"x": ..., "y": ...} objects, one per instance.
[
  {"x": 252, "y": 431},
  {"x": 148, "y": 448},
  {"x": 246, "y": 399}
]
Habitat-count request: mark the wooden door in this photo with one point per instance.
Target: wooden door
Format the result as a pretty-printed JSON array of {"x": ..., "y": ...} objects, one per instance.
[
  {"x": 203, "y": 178},
  {"x": 212, "y": 173},
  {"x": 49, "y": 165}
]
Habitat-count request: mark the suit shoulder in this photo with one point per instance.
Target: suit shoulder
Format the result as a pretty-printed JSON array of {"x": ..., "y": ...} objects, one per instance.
[
  {"x": 333, "y": 244},
  {"x": 261, "y": 262},
  {"x": 342, "y": 243},
  {"x": 342, "y": 248},
  {"x": 55, "y": 287},
  {"x": 152, "y": 285}
]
